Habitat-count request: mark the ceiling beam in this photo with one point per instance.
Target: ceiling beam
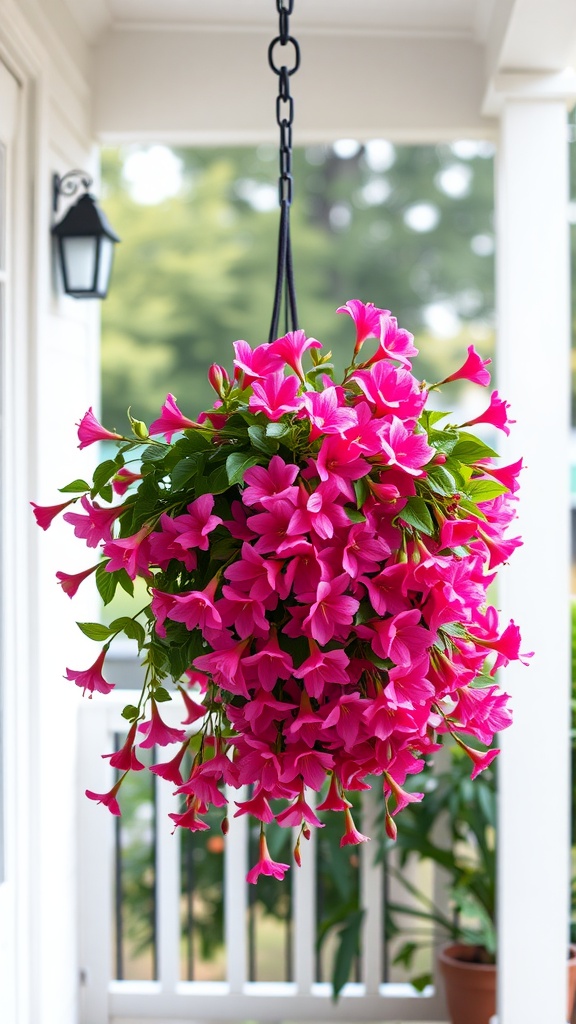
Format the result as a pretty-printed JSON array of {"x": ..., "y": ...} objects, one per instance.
[{"x": 209, "y": 88}]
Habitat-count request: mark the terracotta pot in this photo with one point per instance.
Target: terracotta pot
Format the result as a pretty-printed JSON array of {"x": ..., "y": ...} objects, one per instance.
[{"x": 471, "y": 987}]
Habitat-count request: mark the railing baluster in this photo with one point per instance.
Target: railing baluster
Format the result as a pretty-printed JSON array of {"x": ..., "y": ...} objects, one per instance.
[
  {"x": 304, "y": 911},
  {"x": 235, "y": 893},
  {"x": 168, "y": 887},
  {"x": 371, "y": 897}
]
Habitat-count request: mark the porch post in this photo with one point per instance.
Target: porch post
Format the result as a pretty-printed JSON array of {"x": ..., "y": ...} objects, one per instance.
[{"x": 534, "y": 375}]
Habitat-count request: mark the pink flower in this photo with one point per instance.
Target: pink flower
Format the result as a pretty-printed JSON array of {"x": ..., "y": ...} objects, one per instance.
[
  {"x": 331, "y": 609},
  {"x": 395, "y": 343},
  {"x": 401, "y": 796},
  {"x": 189, "y": 818},
  {"x": 265, "y": 865},
  {"x": 319, "y": 513},
  {"x": 472, "y": 370},
  {"x": 195, "y": 608},
  {"x": 171, "y": 420},
  {"x": 130, "y": 553},
  {"x": 91, "y": 678},
  {"x": 292, "y": 347},
  {"x": 322, "y": 667},
  {"x": 70, "y": 583},
  {"x": 254, "y": 364},
  {"x": 366, "y": 317},
  {"x": 258, "y": 807},
  {"x": 335, "y": 799},
  {"x": 123, "y": 479},
  {"x": 267, "y": 485},
  {"x": 402, "y": 448},
  {"x": 495, "y": 414},
  {"x": 108, "y": 799},
  {"x": 402, "y": 638},
  {"x": 351, "y": 837},
  {"x": 170, "y": 770},
  {"x": 125, "y": 760},
  {"x": 326, "y": 413},
  {"x": 480, "y": 759},
  {"x": 391, "y": 391},
  {"x": 44, "y": 514},
  {"x": 296, "y": 813},
  {"x": 96, "y": 526},
  {"x": 275, "y": 396},
  {"x": 197, "y": 523},
  {"x": 270, "y": 662},
  {"x": 156, "y": 733},
  {"x": 225, "y": 666},
  {"x": 165, "y": 544},
  {"x": 90, "y": 430},
  {"x": 257, "y": 575}
]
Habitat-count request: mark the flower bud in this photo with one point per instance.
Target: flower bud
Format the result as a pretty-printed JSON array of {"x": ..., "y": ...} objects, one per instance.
[
  {"x": 439, "y": 459},
  {"x": 297, "y": 854},
  {"x": 306, "y": 831},
  {"x": 139, "y": 428},
  {"x": 391, "y": 829},
  {"x": 218, "y": 379},
  {"x": 225, "y": 826}
]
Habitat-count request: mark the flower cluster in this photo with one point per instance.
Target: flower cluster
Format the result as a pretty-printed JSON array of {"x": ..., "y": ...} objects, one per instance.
[{"x": 317, "y": 558}]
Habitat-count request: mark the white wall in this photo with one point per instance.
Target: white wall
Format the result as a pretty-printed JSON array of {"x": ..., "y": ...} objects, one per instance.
[{"x": 54, "y": 354}]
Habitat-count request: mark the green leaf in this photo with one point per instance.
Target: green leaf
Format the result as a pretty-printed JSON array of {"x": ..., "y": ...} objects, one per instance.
[
  {"x": 440, "y": 480},
  {"x": 154, "y": 453},
  {"x": 125, "y": 582},
  {"x": 95, "y": 630},
  {"x": 417, "y": 514},
  {"x": 161, "y": 695},
  {"x": 76, "y": 487},
  {"x": 405, "y": 954},
  {"x": 102, "y": 474},
  {"x": 361, "y": 491},
  {"x": 185, "y": 470},
  {"x": 216, "y": 483},
  {"x": 347, "y": 950},
  {"x": 130, "y": 713},
  {"x": 261, "y": 441},
  {"x": 431, "y": 416},
  {"x": 277, "y": 429},
  {"x": 484, "y": 490},
  {"x": 443, "y": 440},
  {"x": 106, "y": 492},
  {"x": 106, "y": 582},
  {"x": 421, "y": 981},
  {"x": 354, "y": 515},
  {"x": 469, "y": 449},
  {"x": 237, "y": 464},
  {"x": 130, "y": 627},
  {"x": 194, "y": 441}
]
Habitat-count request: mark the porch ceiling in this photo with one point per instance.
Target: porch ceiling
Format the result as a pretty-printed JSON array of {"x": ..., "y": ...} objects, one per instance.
[{"x": 415, "y": 70}]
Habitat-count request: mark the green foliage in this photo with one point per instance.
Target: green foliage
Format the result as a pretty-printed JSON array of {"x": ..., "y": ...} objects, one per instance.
[{"x": 454, "y": 827}]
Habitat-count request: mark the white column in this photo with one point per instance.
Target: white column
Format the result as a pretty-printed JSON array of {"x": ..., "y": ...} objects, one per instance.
[{"x": 534, "y": 375}]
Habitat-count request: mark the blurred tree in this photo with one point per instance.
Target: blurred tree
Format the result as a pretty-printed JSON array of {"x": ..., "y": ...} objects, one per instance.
[{"x": 409, "y": 228}]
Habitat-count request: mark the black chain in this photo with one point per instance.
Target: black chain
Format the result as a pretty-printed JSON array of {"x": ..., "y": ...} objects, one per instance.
[{"x": 284, "y": 119}]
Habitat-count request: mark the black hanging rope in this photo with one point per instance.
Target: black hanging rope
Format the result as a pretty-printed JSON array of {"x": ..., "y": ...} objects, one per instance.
[{"x": 284, "y": 119}]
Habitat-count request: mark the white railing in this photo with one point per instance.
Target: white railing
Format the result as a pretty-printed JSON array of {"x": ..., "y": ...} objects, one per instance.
[{"x": 105, "y": 999}]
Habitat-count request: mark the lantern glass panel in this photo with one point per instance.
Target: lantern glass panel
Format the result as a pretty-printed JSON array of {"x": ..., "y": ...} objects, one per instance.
[
  {"x": 106, "y": 255},
  {"x": 80, "y": 260}
]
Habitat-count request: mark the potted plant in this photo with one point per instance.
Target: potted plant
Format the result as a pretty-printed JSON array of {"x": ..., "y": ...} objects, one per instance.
[
  {"x": 454, "y": 827},
  {"x": 311, "y": 562}
]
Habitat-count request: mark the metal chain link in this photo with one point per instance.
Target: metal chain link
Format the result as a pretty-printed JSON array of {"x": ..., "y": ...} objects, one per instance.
[{"x": 284, "y": 120}]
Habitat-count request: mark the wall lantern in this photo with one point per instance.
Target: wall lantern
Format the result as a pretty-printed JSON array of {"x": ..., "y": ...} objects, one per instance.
[{"x": 85, "y": 240}]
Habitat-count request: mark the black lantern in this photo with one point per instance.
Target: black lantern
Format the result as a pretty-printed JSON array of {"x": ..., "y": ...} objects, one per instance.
[{"x": 85, "y": 241}]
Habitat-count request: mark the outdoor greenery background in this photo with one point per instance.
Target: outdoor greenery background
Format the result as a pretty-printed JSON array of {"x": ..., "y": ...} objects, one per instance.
[{"x": 408, "y": 228}]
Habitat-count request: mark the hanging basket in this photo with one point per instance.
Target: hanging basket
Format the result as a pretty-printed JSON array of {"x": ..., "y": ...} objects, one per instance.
[{"x": 316, "y": 557}]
